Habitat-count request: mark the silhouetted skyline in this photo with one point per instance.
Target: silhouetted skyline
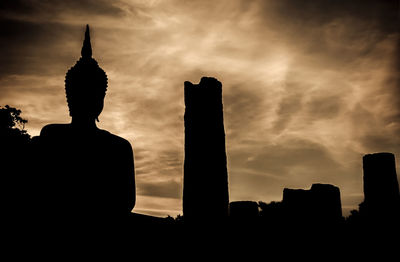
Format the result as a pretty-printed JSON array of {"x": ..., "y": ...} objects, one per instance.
[{"x": 310, "y": 87}]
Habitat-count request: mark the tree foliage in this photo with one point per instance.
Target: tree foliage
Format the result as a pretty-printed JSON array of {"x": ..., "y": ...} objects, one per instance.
[{"x": 12, "y": 125}]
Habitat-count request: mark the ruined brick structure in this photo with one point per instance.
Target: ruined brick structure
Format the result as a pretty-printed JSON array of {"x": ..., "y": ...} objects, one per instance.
[{"x": 320, "y": 204}]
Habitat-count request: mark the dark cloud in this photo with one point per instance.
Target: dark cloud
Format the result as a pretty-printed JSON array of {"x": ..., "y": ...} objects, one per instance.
[
  {"x": 383, "y": 14},
  {"x": 54, "y": 8},
  {"x": 32, "y": 31},
  {"x": 21, "y": 6},
  {"x": 333, "y": 33},
  {"x": 23, "y": 44}
]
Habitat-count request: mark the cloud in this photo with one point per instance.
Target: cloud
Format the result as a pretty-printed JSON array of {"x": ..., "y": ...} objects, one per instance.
[
  {"x": 308, "y": 86},
  {"x": 293, "y": 163},
  {"x": 242, "y": 109},
  {"x": 165, "y": 189},
  {"x": 323, "y": 106},
  {"x": 288, "y": 107}
]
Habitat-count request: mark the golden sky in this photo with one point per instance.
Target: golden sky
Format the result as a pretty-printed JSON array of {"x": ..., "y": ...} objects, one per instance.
[{"x": 309, "y": 87}]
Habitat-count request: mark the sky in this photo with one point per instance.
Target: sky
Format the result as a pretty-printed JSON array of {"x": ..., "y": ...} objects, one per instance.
[{"x": 309, "y": 87}]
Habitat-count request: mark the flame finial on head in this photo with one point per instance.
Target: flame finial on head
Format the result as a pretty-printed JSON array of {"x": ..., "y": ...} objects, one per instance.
[
  {"x": 87, "y": 47},
  {"x": 86, "y": 84}
]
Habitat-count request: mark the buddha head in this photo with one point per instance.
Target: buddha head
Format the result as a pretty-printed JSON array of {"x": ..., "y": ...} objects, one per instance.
[{"x": 85, "y": 85}]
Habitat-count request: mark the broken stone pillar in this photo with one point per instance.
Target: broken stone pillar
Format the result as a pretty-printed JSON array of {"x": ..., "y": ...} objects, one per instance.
[
  {"x": 381, "y": 188},
  {"x": 205, "y": 183}
]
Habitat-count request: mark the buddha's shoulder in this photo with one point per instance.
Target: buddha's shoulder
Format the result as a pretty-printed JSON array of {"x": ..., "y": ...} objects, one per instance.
[
  {"x": 114, "y": 139},
  {"x": 54, "y": 130}
]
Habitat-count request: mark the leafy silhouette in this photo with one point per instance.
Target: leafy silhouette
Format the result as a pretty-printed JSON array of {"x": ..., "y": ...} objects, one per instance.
[{"x": 12, "y": 125}]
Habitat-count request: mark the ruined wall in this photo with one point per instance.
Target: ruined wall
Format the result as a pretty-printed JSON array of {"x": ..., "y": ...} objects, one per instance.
[{"x": 320, "y": 204}]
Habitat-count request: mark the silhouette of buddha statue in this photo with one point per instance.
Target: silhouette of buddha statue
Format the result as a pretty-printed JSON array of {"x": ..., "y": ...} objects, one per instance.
[{"x": 86, "y": 172}]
